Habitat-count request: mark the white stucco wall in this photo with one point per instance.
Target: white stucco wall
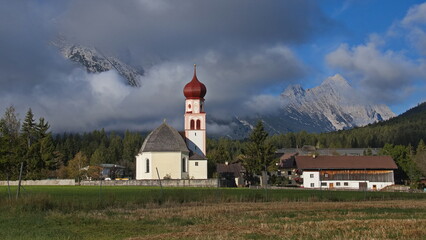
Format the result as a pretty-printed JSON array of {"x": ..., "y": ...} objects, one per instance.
[
  {"x": 311, "y": 177},
  {"x": 197, "y": 172},
  {"x": 167, "y": 163},
  {"x": 141, "y": 166},
  {"x": 196, "y": 141},
  {"x": 354, "y": 184}
]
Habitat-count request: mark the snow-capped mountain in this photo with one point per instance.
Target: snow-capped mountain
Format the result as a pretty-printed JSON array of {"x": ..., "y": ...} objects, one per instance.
[
  {"x": 334, "y": 101},
  {"x": 95, "y": 61},
  {"x": 334, "y": 105}
]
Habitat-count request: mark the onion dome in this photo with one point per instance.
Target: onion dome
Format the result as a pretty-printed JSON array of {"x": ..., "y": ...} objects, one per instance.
[{"x": 194, "y": 89}]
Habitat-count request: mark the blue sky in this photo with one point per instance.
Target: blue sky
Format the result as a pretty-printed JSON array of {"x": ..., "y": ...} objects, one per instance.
[
  {"x": 247, "y": 52},
  {"x": 356, "y": 22}
]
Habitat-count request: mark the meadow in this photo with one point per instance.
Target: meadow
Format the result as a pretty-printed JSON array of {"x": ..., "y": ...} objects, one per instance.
[{"x": 88, "y": 212}]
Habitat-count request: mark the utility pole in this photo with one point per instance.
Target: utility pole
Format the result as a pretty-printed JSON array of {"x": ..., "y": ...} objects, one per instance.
[
  {"x": 20, "y": 178},
  {"x": 159, "y": 179},
  {"x": 8, "y": 186}
]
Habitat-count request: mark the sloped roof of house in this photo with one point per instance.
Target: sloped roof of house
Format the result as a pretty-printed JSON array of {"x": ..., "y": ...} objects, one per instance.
[
  {"x": 345, "y": 162},
  {"x": 164, "y": 139},
  {"x": 287, "y": 160},
  {"x": 236, "y": 168},
  {"x": 195, "y": 156}
]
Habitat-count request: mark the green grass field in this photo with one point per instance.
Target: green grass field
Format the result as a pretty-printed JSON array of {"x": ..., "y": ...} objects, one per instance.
[{"x": 127, "y": 212}]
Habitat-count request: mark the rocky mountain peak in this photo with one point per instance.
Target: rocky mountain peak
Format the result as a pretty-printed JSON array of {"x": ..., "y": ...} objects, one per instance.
[
  {"x": 294, "y": 90},
  {"x": 336, "y": 79},
  {"x": 95, "y": 61}
]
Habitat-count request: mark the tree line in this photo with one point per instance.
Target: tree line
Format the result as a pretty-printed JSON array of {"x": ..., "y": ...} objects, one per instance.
[{"x": 63, "y": 155}]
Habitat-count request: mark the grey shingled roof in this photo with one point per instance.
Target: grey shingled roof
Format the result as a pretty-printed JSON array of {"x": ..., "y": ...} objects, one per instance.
[
  {"x": 164, "y": 139},
  {"x": 195, "y": 156}
]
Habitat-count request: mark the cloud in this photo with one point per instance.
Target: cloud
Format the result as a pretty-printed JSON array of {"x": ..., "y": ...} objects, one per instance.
[
  {"x": 241, "y": 48},
  {"x": 155, "y": 30},
  {"x": 386, "y": 75},
  {"x": 263, "y": 104},
  {"x": 415, "y": 24}
]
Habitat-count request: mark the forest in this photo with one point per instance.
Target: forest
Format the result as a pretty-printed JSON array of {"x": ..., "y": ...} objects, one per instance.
[{"x": 49, "y": 155}]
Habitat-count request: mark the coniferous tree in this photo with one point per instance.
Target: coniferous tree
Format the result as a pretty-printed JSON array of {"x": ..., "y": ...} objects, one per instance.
[
  {"x": 9, "y": 144},
  {"x": 41, "y": 128},
  {"x": 258, "y": 154},
  {"x": 420, "y": 157},
  {"x": 407, "y": 169},
  {"x": 29, "y": 128},
  {"x": 100, "y": 156}
]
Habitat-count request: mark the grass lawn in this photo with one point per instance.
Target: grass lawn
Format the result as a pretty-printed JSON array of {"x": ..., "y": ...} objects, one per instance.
[{"x": 72, "y": 212}]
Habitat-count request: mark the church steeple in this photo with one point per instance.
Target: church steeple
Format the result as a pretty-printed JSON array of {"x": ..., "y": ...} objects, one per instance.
[{"x": 195, "y": 117}]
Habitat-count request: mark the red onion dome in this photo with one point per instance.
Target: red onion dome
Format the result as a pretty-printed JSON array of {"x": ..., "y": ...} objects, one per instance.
[{"x": 194, "y": 89}]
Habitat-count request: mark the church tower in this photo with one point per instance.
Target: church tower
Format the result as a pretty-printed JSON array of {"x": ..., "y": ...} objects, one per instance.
[{"x": 195, "y": 117}]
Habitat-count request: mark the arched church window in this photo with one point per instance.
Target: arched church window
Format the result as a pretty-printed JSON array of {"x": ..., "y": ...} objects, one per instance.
[
  {"x": 192, "y": 124},
  {"x": 198, "y": 124},
  {"x": 183, "y": 165},
  {"x": 147, "y": 165}
]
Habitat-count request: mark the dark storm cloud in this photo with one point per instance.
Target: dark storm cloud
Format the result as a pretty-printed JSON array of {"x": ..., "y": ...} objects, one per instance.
[
  {"x": 164, "y": 29},
  {"x": 26, "y": 58},
  {"x": 241, "y": 47}
]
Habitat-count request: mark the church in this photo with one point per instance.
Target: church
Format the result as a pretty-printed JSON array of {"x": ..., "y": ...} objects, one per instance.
[{"x": 169, "y": 154}]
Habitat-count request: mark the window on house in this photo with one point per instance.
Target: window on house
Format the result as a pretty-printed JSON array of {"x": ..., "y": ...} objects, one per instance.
[
  {"x": 346, "y": 184},
  {"x": 312, "y": 184},
  {"x": 183, "y": 165},
  {"x": 311, "y": 176},
  {"x": 324, "y": 184},
  {"x": 196, "y": 164},
  {"x": 325, "y": 174},
  {"x": 198, "y": 124},
  {"x": 337, "y": 183},
  {"x": 147, "y": 165}
]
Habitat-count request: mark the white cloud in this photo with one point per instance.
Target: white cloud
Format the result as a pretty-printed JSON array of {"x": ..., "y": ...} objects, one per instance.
[
  {"x": 263, "y": 104},
  {"x": 386, "y": 75},
  {"x": 413, "y": 27}
]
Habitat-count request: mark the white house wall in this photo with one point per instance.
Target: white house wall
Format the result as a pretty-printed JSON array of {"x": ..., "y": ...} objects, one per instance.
[
  {"x": 141, "y": 172},
  {"x": 351, "y": 184},
  {"x": 168, "y": 164},
  {"x": 197, "y": 172},
  {"x": 195, "y": 141},
  {"x": 309, "y": 178}
]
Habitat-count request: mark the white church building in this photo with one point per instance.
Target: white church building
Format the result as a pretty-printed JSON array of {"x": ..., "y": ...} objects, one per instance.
[{"x": 168, "y": 154}]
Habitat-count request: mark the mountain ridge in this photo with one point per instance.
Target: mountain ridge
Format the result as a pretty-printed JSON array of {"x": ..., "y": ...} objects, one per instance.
[
  {"x": 333, "y": 105},
  {"x": 95, "y": 61}
]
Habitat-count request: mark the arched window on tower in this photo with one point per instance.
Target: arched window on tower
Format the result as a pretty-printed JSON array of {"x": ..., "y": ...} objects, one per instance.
[
  {"x": 147, "y": 165},
  {"x": 198, "y": 124},
  {"x": 192, "y": 124}
]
